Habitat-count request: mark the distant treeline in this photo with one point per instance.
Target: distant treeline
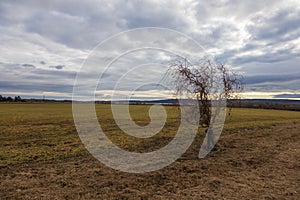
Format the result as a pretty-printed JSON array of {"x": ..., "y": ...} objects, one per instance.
[
  {"x": 277, "y": 104},
  {"x": 20, "y": 99},
  {"x": 11, "y": 99}
]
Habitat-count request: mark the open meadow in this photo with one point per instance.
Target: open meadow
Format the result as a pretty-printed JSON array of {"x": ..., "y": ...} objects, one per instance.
[{"x": 42, "y": 157}]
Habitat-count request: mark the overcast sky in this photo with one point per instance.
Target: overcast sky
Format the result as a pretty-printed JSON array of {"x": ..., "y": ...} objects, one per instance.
[{"x": 43, "y": 43}]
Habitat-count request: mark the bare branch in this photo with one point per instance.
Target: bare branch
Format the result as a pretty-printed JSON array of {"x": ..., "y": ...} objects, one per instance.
[{"x": 197, "y": 80}]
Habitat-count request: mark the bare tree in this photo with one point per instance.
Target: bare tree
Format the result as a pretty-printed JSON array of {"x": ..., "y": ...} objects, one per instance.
[{"x": 197, "y": 80}]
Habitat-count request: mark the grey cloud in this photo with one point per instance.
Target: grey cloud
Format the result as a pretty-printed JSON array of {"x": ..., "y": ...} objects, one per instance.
[
  {"x": 28, "y": 77},
  {"x": 29, "y": 65},
  {"x": 287, "y": 96},
  {"x": 280, "y": 25},
  {"x": 272, "y": 35},
  {"x": 41, "y": 74},
  {"x": 14, "y": 75},
  {"x": 139, "y": 15},
  {"x": 271, "y": 88},
  {"x": 260, "y": 37},
  {"x": 234, "y": 8},
  {"x": 270, "y": 78},
  {"x": 57, "y": 26},
  {"x": 275, "y": 85},
  {"x": 85, "y": 24},
  {"x": 152, "y": 86},
  {"x": 57, "y": 66},
  {"x": 290, "y": 66},
  {"x": 282, "y": 82},
  {"x": 17, "y": 86},
  {"x": 79, "y": 24},
  {"x": 265, "y": 58}
]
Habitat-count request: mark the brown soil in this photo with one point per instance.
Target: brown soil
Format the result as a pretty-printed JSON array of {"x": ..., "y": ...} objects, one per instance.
[{"x": 250, "y": 164}]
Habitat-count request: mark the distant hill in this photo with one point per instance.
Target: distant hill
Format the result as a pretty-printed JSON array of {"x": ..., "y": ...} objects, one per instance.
[{"x": 281, "y": 104}]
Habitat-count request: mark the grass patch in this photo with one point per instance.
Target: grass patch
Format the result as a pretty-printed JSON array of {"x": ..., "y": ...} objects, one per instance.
[{"x": 45, "y": 132}]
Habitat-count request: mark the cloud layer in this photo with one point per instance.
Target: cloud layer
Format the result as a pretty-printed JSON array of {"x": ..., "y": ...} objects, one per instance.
[{"x": 43, "y": 43}]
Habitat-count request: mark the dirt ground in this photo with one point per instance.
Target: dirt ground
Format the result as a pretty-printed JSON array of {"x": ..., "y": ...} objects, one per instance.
[{"x": 250, "y": 164}]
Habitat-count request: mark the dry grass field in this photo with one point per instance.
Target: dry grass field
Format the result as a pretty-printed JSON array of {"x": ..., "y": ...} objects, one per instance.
[{"x": 42, "y": 157}]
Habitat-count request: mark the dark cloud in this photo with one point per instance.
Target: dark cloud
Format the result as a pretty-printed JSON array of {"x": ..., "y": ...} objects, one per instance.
[
  {"x": 29, "y": 65},
  {"x": 29, "y": 78},
  {"x": 281, "y": 55},
  {"x": 17, "y": 86},
  {"x": 287, "y": 96},
  {"x": 57, "y": 66},
  {"x": 271, "y": 78},
  {"x": 272, "y": 83}
]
